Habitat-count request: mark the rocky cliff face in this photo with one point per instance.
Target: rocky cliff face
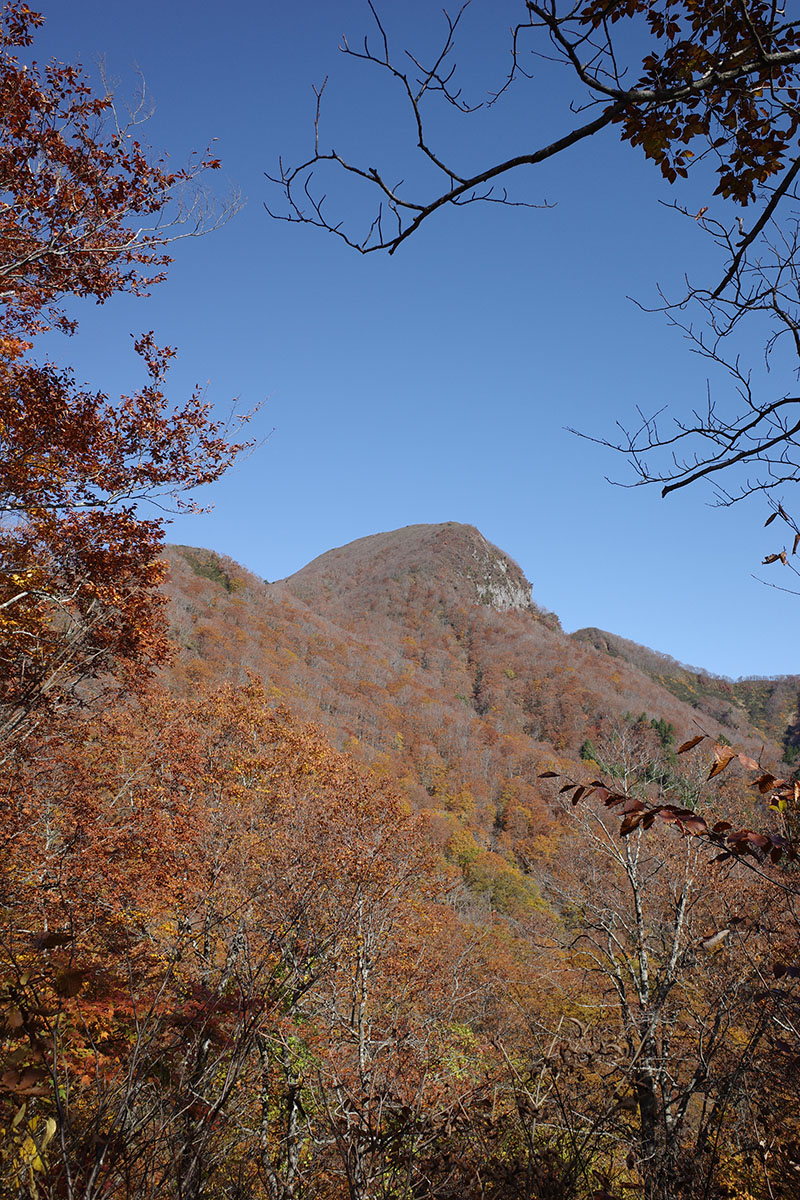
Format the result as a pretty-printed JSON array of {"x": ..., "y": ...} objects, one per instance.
[{"x": 499, "y": 582}]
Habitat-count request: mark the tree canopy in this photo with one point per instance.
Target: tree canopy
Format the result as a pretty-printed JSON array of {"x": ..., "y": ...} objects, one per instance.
[{"x": 85, "y": 213}]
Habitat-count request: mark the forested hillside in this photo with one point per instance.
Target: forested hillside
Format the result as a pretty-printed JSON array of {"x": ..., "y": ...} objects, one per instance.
[{"x": 769, "y": 705}]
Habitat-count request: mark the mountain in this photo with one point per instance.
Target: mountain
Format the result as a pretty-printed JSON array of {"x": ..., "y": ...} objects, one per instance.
[
  {"x": 422, "y": 653},
  {"x": 429, "y": 630}
]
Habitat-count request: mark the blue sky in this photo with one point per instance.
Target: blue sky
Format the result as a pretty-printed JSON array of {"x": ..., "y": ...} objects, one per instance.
[{"x": 437, "y": 384}]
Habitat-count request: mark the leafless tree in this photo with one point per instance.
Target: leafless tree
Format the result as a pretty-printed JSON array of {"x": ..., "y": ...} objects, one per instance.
[
  {"x": 691, "y": 85},
  {"x": 696, "y": 81},
  {"x": 668, "y": 974}
]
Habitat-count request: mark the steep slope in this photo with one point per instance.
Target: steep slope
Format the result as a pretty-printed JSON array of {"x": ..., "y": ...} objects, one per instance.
[{"x": 768, "y": 705}]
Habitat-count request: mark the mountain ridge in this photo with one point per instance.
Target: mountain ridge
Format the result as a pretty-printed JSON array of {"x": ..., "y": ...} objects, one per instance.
[
  {"x": 771, "y": 703},
  {"x": 440, "y": 609}
]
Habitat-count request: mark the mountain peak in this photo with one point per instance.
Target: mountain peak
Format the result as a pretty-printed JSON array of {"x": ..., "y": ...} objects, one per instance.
[{"x": 456, "y": 557}]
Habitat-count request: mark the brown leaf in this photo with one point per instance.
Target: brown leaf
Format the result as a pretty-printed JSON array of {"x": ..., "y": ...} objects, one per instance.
[
  {"x": 630, "y": 823},
  {"x": 27, "y": 1081},
  {"x": 69, "y": 982},
  {"x": 694, "y": 825},
  {"x": 692, "y": 742},
  {"x": 781, "y": 970},
  {"x": 722, "y": 756},
  {"x": 47, "y": 941},
  {"x": 749, "y": 763},
  {"x": 716, "y": 939}
]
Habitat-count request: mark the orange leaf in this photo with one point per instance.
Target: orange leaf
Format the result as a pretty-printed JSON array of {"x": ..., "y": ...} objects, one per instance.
[
  {"x": 722, "y": 756},
  {"x": 691, "y": 743}
]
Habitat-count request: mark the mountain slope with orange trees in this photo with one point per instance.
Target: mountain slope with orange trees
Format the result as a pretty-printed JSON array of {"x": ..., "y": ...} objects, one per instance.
[
  {"x": 370, "y": 635},
  {"x": 423, "y": 655},
  {"x": 768, "y": 704}
]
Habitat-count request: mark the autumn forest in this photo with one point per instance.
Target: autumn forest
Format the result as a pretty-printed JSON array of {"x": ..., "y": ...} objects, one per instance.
[{"x": 372, "y": 883}]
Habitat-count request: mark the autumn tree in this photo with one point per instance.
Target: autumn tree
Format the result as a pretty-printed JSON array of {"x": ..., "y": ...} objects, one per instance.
[
  {"x": 730, "y": 973},
  {"x": 222, "y": 963},
  {"x": 665, "y": 960},
  {"x": 86, "y": 212}
]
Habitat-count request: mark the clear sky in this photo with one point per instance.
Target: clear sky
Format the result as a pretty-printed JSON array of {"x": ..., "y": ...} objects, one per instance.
[{"x": 434, "y": 385}]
